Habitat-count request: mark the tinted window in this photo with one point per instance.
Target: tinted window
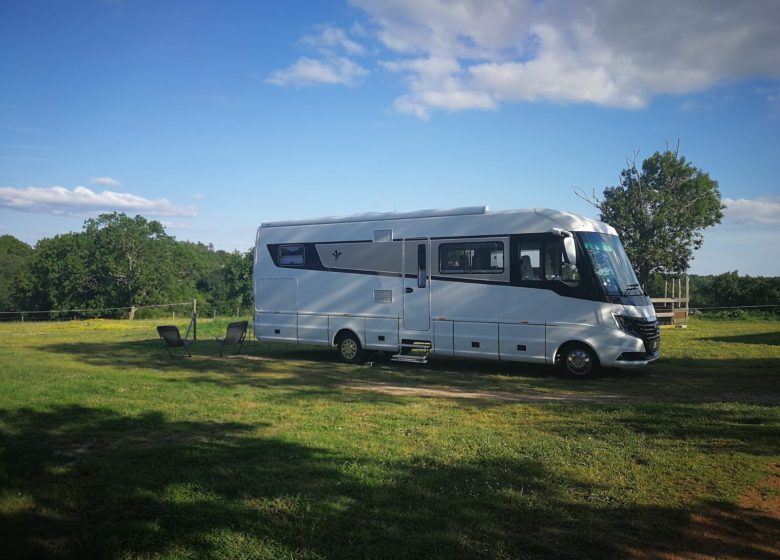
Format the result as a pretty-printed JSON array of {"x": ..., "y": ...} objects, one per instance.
[
  {"x": 291, "y": 255},
  {"x": 472, "y": 258},
  {"x": 530, "y": 261}
]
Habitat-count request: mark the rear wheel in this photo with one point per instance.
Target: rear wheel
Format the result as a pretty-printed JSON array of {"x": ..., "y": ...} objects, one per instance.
[
  {"x": 577, "y": 361},
  {"x": 349, "y": 349}
]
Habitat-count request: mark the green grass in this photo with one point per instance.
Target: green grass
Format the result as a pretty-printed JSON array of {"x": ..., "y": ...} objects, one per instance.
[{"x": 111, "y": 449}]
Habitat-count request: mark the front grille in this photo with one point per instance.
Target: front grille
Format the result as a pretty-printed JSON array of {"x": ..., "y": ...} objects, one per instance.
[{"x": 646, "y": 330}]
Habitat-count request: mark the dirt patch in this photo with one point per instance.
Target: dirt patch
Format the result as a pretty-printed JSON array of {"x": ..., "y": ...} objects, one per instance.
[
  {"x": 501, "y": 396},
  {"x": 748, "y": 531},
  {"x": 766, "y": 496}
]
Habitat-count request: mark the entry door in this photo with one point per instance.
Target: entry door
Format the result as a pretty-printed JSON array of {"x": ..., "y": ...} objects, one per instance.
[{"x": 417, "y": 284}]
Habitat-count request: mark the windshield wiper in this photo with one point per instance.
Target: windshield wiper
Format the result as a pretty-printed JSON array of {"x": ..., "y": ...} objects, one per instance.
[{"x": 634, "y": 287}]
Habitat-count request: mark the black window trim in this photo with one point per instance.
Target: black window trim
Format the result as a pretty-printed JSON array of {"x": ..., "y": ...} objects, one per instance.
[
  {"x": 299, "y": 246},
  {"x": 464, "y": 245}
]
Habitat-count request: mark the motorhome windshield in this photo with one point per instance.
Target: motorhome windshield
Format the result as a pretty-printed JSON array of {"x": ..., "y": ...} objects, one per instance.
[{"x": 611, "y": 264}]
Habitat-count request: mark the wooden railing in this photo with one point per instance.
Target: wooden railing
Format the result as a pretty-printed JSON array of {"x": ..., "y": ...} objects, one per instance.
[{"x": 672, "y": 309}]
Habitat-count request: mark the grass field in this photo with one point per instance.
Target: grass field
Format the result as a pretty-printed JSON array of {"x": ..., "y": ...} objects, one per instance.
[{"x": 111, "y": 449}]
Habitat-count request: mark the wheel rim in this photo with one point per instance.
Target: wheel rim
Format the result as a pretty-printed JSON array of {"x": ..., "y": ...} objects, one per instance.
[
  {"x": 349, "y": 349},
  {"x": 578, "y": 362}
]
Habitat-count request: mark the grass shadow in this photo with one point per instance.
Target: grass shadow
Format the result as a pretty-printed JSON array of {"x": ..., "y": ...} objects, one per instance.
[
  {"x": 306, "y": 371},
  {"x": 765, "y": 338},
  {"x": 82, "y": 482}
]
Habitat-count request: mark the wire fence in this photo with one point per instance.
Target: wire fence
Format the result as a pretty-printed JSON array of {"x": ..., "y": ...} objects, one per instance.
[
  {"x": 766, "y": 311},
  {"x": 127, "y": 312}
]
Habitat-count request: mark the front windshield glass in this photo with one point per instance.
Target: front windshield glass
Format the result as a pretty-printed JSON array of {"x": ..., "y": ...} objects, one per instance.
[{"x": 611, "y": 264}]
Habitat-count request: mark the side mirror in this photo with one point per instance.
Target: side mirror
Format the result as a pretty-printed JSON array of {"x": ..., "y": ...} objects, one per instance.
[
  {"x": 568, "y": 244},
  {"x": 571, "y": 249}
]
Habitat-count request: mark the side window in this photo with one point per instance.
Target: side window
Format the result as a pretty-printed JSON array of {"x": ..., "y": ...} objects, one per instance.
[
  {"x": 452, "y": 258},
  {"x": 530, "y": 261},
  {"x": 291, "y": 255},
  {"x": 472, "y": 258},
  {"x": 557, "y": 265}
]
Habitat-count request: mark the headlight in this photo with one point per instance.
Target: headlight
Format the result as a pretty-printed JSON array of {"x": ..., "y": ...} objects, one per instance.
[{"x": 620, "y": 321}]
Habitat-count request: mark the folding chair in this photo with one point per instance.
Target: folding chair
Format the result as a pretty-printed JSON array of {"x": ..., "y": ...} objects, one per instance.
[
  {"x": 170, "y": 336},
  {"x": 236, "y": 332}
]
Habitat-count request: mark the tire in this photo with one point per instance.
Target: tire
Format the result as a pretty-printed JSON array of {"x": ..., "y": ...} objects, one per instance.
[
  {"x": 577, "y": 361},
  {"x": 349, "y": 349}
]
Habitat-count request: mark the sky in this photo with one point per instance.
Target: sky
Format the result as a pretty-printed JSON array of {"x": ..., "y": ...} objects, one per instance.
[{"x": 213, "y": 117}]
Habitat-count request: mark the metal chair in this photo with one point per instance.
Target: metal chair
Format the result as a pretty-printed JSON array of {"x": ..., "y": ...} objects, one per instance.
[
  {"x": 171, "y": 337},
  {"x": 236, "y": 333}
]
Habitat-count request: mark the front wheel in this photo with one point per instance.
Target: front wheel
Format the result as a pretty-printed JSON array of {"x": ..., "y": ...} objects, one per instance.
[
  {"x": 349, "y": 349},
  {"x": 577, "y": 361}
]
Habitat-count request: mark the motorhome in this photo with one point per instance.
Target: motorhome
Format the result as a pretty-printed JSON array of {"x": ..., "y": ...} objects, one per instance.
[{"x": 536, "y": 285}]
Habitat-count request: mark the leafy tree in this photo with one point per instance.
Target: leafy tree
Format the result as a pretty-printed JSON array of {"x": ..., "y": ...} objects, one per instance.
[
  {"x": 230, "y": 285},
  {"x": 118, "y": 261},
  {"x": 58, "y": 275},
  {"x": 132, "y": 260},
  {"x": 13, "y": 255},
  {"x": 661, "y": 212}
]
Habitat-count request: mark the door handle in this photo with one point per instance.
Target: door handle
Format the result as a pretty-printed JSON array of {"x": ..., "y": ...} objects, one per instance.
[{"x": 409, "y": 290}]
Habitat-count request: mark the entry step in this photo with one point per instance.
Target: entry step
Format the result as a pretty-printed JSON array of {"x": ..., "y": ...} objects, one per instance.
[
  {"x": 422, "y": 344},
  {"x": 414, "y": 351},
  {"x": 411, "y": 358}
]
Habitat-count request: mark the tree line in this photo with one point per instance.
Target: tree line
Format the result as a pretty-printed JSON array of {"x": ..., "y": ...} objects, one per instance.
[
  {"x": 723, "y": 290},
  {"x": 118, "y": 261},
  {"x": 660, "y": 210}
]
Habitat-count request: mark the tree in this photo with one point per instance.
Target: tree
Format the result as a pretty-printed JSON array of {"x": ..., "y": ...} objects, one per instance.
[
  {"x": 661, "y": 212},
  {"x": 132, "y": 260},
  {"x": 230, "y": 285},
  {"x": 13, "y": 254},
  {"x": 58, "y": 276}
]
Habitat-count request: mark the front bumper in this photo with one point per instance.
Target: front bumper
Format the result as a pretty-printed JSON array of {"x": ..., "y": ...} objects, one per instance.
[{"x": 636, "y": 359}]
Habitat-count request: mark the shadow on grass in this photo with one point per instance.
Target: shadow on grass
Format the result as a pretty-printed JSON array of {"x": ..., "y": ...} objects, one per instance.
[
  {"x": 82, "y": 482},
  {"x": 767, "y": 338},
  {"x": 314, "y": 371},
  {"x": 718, "y": 428},
  {"x": 306, "y": 371}
]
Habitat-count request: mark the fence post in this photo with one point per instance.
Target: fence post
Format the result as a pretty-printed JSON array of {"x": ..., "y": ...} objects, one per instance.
[{"x": 194, "y": 319}]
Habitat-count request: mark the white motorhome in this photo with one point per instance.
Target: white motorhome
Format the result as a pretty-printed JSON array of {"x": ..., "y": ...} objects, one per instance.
[{"x": 536, "y": 285}]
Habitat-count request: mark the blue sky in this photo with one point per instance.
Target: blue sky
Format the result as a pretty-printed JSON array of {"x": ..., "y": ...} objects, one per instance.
[{"x": 213, "y": 117}]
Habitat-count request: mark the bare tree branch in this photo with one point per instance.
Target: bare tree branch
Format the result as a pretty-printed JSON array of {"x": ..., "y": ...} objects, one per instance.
[{"x": 592, "y": 199}]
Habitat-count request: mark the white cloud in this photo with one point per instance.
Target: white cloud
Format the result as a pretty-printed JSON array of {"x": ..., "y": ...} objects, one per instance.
[
  {"x": 81, "y": 200},
  {"x": 334, "y": 38},
  {"x": 436, "y": 83},
  {"x": 309, "y": 71},
  {"x": 763, "y": 210},
  {"x": 332, "y": 64},
  {"x": 615, "y": 54},
  {"x": 105, "y": 181}
]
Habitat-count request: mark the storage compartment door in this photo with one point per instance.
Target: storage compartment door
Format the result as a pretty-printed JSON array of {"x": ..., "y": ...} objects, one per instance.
[
  {"x": 477, "y": 340},
  {"x": 522, "y": 343}
]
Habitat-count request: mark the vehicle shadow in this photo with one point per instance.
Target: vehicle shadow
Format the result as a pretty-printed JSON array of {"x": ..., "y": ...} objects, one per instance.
[
  {"x": 81, "y": 482},
  {"x": 314, "y": 372}
]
